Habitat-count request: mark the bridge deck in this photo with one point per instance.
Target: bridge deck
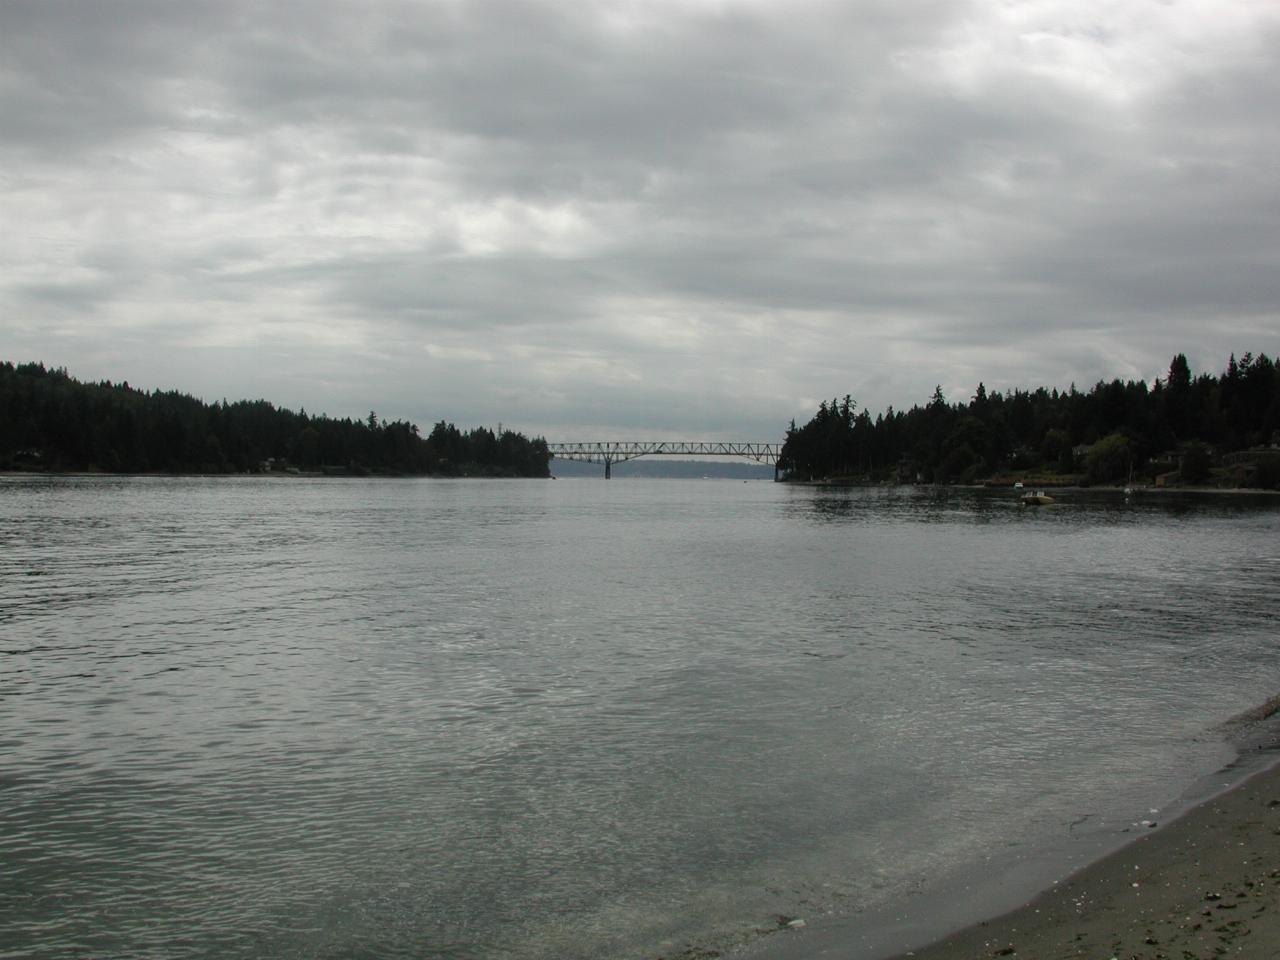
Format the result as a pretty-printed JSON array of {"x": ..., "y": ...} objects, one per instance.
[{"x": 619, "y": 451}]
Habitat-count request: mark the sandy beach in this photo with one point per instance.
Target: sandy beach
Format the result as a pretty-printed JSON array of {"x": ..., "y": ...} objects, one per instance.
[
  {"x": 1204, "y": 885},
  {"x": 1207, "y": 885}
]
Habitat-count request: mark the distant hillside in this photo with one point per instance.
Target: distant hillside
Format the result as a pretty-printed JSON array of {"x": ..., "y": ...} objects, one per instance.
[{"x": 50, "y": 421}]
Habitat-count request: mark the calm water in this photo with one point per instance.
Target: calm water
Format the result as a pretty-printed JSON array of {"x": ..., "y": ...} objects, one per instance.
[{"x": 430, "y": 719}]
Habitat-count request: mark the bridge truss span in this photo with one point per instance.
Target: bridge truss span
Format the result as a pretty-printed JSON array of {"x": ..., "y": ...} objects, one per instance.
[{"x": 609, "y": 452}]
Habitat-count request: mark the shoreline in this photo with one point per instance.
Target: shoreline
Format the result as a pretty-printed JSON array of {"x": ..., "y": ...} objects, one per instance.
[
  {"x": 1136, "y": 490},
  {"x": 1204, "y": 882},
  {"x": 1203, "y": 886},
  {"x": 320, "y": 475},
  {"x": 264, "y": 475}
]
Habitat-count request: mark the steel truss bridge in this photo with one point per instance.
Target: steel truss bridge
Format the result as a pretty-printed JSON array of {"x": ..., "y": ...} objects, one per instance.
[{"x": 609, "y": 452}]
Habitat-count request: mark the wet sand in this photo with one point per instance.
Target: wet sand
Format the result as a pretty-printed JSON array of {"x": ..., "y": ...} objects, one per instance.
[
  {"x": 1205, "y": 886},
  {"x": 1200, "y": 887}
]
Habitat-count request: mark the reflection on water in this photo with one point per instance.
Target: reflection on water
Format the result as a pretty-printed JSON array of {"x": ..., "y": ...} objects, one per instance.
[
  {"x": 264, "y": 717},
  {"x": 1074, "y": 506}
]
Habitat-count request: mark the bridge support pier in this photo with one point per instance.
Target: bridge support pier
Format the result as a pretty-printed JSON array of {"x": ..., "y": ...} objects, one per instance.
[{"x": 608, "y": 469}]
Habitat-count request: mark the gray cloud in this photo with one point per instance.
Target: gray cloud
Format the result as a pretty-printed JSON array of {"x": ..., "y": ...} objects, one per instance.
[{"x": 682, "y": 218}]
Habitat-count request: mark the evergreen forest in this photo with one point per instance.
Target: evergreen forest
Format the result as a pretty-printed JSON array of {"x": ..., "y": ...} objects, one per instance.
[
  {"x": 49, "y": 421},
  {"x": 1182, "y": 429}
]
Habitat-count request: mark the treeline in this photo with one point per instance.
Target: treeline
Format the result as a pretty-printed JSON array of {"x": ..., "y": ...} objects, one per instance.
[
  {"x": 51, "y": 421},
  {"x": 1181, "y": 425}
]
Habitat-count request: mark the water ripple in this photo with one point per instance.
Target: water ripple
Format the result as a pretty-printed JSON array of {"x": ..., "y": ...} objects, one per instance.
[{"x": 254, "y": 718}]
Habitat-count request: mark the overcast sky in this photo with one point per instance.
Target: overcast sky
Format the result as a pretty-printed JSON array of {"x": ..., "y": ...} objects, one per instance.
[{"x": 615, "y": 220}]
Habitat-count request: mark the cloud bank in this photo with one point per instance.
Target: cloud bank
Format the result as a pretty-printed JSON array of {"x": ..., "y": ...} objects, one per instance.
[{"x": 612, "y": 219}]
